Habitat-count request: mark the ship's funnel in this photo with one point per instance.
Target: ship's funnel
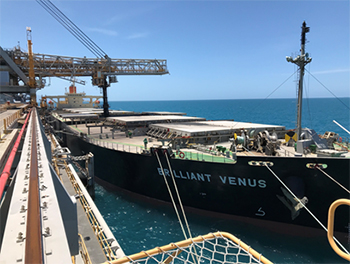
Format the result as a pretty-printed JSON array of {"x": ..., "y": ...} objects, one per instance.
[{"x": 72, "y": 89}]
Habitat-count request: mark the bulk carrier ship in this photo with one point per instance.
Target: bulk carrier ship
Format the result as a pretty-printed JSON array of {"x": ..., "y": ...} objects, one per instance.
[{"x": 264, "y": 174}]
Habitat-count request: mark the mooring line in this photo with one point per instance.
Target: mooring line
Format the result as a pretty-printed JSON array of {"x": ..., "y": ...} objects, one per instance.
[
  {"x": 181, "y": 206},
  {"x": 178, "y": 197},
  {"x": 307, "y": 209},
  {"x": 171, "y": 196},
  {"x": 325, "y": 173}
]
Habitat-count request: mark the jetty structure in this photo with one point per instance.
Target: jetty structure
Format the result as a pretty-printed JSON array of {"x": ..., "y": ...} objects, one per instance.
[{"x": 47, "y": 215}]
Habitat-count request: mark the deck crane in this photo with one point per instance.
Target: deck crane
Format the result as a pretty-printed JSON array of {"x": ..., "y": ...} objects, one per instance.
[{"x": 22, "y": 64}]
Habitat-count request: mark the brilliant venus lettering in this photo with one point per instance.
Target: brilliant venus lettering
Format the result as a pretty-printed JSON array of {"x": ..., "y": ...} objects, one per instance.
[{"x": 205, "y": 177}]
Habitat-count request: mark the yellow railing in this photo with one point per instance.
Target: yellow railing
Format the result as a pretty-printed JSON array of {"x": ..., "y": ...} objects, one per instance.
[
  {"x": 171, "y": 251},
  {"x": 330, "y": 227},
  {"x": 8, "y": 121},
  {"x": 108, "y": 252},
  {"x": 83, "y": 251}
]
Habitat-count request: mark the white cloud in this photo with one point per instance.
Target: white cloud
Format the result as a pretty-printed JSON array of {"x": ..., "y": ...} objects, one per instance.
[{"x": 104, "y": 31}]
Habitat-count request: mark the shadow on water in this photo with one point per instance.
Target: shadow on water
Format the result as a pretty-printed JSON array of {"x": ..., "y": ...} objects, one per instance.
[{"x": 141, "y": 225}]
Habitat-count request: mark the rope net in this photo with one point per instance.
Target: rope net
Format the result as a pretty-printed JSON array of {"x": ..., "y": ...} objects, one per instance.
[{"x": 214, "y": 248}]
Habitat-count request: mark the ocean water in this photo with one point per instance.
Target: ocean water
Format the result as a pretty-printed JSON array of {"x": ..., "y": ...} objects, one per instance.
[
  {"x": 318, "y": 113},
  {"x": 140, "y": 225}
]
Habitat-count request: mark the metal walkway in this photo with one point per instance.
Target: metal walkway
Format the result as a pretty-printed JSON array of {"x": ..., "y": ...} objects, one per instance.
[{"x": 40, "y": 218}]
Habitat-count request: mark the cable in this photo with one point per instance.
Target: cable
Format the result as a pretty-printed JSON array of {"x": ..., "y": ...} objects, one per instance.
[
  {"x": 341, "y": 186},
  {"x": 329, "y": 90},
  {"x": 307, "y": 209},
  {"x": 69, "y": 28},
  {"x": 181, "y": 206},
  {"x": 280, "y": 85},
  {"x": 171, "y": 197},
  {"x": 72, "y": 28},
  {"x": 307, "y": 90},
  {"x": 178, "y": 196},
  {"x": 79, "y": 30},
  {"x": 275, "y": 90}
]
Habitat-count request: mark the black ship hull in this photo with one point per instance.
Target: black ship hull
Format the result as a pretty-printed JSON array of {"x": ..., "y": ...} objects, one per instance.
[{"x": 240, "y": 189}]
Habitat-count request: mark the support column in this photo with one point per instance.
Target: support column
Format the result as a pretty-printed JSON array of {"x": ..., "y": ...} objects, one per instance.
[
  {"x": 33, "y": 96},
  {"x": 105, "y": 99}
]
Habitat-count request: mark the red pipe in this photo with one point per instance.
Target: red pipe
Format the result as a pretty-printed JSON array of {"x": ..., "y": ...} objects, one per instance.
[{"x": 6, "y": 172}]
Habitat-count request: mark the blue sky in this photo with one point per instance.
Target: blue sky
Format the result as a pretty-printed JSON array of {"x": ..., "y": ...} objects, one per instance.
[{"x": 214, "y": 49}]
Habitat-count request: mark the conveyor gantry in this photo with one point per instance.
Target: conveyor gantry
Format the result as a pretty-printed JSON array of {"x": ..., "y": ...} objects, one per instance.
[
  {"x": 40, "y": 219},
  {"x": 37, "y": 231},
  {"x": 63, "y": 66}
]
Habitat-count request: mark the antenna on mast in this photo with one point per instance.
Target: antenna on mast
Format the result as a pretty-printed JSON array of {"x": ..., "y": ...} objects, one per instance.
[{"x": 301, "y": 61}]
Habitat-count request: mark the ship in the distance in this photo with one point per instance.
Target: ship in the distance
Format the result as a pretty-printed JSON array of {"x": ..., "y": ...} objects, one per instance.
[{"x": 260, "y": 173}]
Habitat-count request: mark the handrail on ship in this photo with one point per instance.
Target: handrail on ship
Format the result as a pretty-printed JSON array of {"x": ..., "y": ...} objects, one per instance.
[
  {"x": 330, "y": 227},
  {"x": 204, "y": 157},
  {"x": 196, "y": 156},
  {"x": 138, "y": 149}
]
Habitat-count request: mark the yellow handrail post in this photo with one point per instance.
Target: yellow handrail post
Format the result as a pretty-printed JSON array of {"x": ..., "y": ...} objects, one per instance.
[{"x": 330, "y": 227}]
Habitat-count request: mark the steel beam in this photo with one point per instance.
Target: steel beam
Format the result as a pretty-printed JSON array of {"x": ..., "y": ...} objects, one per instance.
[
  {"x": 14, "y": 89},
  {"x": 13, "y": 66},
  {"x": 63, "y": 66}
]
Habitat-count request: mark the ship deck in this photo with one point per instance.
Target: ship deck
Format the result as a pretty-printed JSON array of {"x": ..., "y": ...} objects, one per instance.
[{"x": 161, "y": 128}]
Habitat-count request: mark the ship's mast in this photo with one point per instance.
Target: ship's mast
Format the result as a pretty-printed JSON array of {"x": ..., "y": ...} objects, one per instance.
[{"x": 301, "y": 61}]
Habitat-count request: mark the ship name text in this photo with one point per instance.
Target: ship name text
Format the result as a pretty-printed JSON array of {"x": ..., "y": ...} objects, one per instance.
[
  {"x": 187, "y": 176},
  {"x": 238, "y": 181},
  {"x": 243, "y": 181}
]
